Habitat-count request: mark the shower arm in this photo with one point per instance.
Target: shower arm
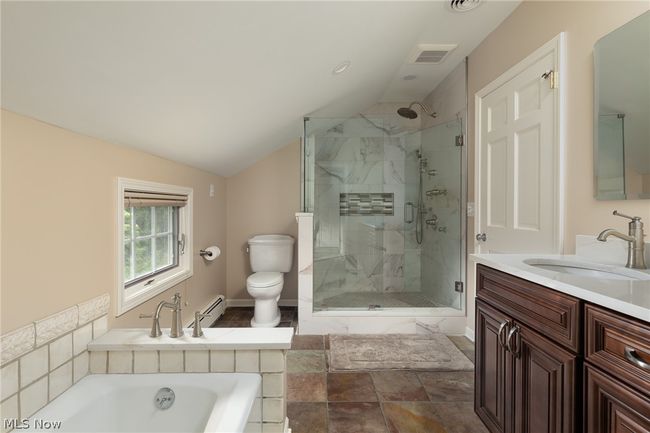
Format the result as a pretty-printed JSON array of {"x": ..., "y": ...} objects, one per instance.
[{"x": 424, "y": 108}]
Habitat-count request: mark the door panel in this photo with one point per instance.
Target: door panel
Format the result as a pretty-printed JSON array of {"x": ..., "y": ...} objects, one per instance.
[
  {"x": 545, "y": 400},
  {"x": 519, "y": 177},
  {"x": 611, "y": 407},
  {"x": 491, "y": 369}
]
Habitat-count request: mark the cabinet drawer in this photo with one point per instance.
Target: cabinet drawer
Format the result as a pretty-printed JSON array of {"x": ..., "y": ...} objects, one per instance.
[
  {"x": 551, "y": 313},
  {"x": 612, "y": 407},
  {"x": 609, "y": 336}
]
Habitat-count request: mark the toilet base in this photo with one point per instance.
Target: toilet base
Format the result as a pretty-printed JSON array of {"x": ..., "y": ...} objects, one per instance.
[{"x": 267, "y": 314}]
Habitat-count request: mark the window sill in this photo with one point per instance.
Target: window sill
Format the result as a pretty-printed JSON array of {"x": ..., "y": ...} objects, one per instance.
[{"x": 144, "y": 293}]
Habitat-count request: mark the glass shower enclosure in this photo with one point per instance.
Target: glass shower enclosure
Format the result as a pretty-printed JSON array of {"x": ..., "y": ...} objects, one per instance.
[{"x": 388, "y": 214}]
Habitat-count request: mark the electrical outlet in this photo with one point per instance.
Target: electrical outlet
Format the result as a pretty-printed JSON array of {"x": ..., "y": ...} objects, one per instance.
[{"x": 211, "y": 190}]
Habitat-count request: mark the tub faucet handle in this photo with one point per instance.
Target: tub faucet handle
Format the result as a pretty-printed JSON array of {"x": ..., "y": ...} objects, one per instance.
[
  {"x": 155, "y": 325},
  {"x": 197, "y": 331}
]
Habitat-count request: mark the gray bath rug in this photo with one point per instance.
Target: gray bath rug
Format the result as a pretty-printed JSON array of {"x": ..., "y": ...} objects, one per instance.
[{"x": 396, "y": 352}]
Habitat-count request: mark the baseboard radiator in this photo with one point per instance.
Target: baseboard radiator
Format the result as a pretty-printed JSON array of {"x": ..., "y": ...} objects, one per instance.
[{"x": 214, "y": 310}]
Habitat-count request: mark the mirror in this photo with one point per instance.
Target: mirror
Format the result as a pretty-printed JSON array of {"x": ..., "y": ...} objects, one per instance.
[{"x": 622, "y": 112}]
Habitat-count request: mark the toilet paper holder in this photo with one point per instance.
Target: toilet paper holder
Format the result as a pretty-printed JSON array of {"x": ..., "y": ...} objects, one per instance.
[{"x": 204, "y": 253}]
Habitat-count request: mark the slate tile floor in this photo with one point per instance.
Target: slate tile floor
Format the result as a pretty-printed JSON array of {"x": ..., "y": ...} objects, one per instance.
[{"x": 388, "y": 401}]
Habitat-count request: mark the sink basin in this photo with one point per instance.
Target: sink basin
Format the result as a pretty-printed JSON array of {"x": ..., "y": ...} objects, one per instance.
[{"x": 590, "y": 270}]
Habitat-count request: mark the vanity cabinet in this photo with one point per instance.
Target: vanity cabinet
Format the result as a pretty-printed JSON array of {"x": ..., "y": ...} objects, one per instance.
[
  {"x": 617, "y": 373},
  {"x": 549, "y": 362},
  {"x": 526, "y": 355}
]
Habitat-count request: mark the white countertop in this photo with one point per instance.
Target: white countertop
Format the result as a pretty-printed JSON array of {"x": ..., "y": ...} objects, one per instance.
[
  {"x": 213, "y": 339},
  {"x": 631, "y": 297}
]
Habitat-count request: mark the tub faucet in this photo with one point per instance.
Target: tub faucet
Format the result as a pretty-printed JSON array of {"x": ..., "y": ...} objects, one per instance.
[
  {"x": 634, "y": 238},
  {"x": 177, "y": 321}
]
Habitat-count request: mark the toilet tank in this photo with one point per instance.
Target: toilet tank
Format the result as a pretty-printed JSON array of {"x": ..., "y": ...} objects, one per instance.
[{"x": 271, "y": 253}]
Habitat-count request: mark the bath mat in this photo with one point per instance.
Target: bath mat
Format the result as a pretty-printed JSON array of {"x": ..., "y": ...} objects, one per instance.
[{"x": 396, "y": 352}]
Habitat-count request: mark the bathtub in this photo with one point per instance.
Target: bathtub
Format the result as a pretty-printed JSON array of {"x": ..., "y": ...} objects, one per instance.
[{"x": 204, "y": 402}]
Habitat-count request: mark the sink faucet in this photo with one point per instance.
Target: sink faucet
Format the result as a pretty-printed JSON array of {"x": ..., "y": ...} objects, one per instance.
[
  {"x": 634, "y": 238},
  {"x": 177, "y": 321}
]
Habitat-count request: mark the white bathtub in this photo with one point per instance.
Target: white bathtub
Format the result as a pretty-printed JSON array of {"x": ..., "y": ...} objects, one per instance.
[{"x": 204, "y": 402}]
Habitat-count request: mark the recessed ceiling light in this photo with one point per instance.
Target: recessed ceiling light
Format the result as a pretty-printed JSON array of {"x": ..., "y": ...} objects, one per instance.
[
  {"x": 341, "y": 67},
  {"x": 409, "y": 77}
]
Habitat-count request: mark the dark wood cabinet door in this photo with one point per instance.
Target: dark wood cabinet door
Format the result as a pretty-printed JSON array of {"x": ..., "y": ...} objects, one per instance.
[
  {"x": 491, "y": 370},
  {"x": 544, "y": 384},
  {"x": 612, "y": 407}
]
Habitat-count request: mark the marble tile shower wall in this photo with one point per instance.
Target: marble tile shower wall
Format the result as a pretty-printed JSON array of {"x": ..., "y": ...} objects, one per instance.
[
  {"x": 41, "y": 360},
  {"x": 362, "y": 253}
]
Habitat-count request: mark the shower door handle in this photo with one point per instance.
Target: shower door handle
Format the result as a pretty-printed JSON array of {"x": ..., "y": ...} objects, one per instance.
[{"x": 407, "y": 219}]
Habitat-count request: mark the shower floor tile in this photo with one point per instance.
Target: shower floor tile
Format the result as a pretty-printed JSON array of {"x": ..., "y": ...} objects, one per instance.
[{"x": 385, "y": 300}]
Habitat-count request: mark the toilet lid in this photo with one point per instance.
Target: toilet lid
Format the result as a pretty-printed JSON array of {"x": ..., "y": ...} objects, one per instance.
[{"x": 264, "y": 279}]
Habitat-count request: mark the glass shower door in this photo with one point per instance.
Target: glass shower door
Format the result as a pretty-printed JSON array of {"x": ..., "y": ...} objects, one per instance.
[{"x": 434, "y": 266}]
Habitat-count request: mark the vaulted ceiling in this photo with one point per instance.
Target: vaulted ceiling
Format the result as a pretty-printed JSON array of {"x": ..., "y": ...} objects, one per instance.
[{"x": 219, "y": 85}]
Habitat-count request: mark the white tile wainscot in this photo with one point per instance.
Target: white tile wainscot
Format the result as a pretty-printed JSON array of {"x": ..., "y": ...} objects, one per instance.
[
  {"x": 220, "y": 350},
  {"x": 41, "y": 360}
]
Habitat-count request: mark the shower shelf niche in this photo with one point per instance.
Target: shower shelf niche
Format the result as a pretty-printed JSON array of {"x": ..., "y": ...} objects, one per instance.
[{"x": 373, "y": 203}]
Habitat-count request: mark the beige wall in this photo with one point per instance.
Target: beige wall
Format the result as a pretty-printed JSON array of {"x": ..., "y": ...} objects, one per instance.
[
  {"x": 530, "y": 26},
  {"x": 262, "y": 199},
  {"x": 58, "y": 235}
]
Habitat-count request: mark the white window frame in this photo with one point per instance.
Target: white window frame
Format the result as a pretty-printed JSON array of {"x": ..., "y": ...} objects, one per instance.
[{"x": 136, "y": 294}]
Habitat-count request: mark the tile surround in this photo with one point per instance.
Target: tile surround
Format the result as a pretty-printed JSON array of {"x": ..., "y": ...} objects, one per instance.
[
  {"x": 60, "y": 351},
  {"x": 9, "y": 380},
  {"x": 16, "y": 343},
  {"x": 269, "y": 410},
  {"x": 55, "y": 325},
  {"x": 43, "y": 359}
]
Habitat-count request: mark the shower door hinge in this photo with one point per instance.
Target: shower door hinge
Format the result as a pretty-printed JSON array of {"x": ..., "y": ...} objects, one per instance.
[
  {"x": 459, "y": 140},
  {"x": 459, "y": 286}
]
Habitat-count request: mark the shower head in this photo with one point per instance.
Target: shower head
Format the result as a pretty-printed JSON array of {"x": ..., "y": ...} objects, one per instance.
[{"x": 410, "y": 113}]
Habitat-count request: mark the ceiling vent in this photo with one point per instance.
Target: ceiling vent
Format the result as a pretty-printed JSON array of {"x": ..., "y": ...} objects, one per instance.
[
  {"x": 464, "y": 5},
  {"x": 431, "y": 54}
]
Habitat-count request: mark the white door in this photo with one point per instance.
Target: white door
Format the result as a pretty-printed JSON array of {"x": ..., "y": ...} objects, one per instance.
[{"x": 519, "y": 195}]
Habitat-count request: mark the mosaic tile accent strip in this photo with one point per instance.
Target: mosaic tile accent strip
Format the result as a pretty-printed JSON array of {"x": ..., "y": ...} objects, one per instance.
[{"x": 373, "y": 203}]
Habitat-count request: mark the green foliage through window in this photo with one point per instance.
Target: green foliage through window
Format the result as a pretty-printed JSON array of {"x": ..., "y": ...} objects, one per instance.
[{"x": 149, "y": 241}]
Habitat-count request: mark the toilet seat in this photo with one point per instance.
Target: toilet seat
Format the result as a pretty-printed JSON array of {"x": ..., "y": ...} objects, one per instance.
[{"x": 261, "y": 280}]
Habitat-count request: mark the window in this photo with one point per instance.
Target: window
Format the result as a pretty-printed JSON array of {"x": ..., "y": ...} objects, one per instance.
[
  {"x": 154, "y": 221},
  {"x": 150, "y": 233}
]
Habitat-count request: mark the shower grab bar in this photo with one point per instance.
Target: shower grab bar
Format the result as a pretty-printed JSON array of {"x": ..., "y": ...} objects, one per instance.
[{"x": 408, "y": 220}]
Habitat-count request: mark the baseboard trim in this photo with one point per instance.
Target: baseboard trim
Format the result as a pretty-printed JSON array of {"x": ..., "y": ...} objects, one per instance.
[
  {"x": 469, "y": 333},
  {"x": 251, "y": 302}
]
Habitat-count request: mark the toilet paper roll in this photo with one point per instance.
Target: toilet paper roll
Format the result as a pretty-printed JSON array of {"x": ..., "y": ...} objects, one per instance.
[{"x": 212, "y": 253}]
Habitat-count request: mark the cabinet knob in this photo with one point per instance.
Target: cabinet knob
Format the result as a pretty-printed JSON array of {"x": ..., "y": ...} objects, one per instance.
[{"x": 481, "y": 237}]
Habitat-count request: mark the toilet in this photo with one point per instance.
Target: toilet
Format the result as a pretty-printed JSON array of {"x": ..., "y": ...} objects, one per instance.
[{"x": 271, "y": 256}]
